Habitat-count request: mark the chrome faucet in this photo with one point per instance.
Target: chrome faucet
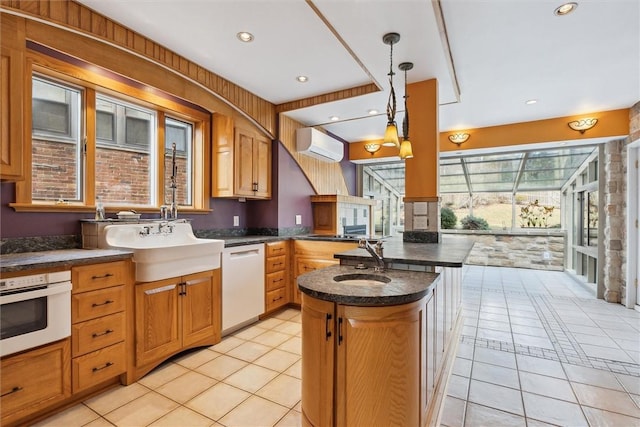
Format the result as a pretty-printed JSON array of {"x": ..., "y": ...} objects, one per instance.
[{"x": 376, "y": 253}]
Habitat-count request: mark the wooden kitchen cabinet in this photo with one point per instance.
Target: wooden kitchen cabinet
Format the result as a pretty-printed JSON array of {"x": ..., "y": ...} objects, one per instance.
[
  {"x": 276, "y": 275},
  {"x": 12, "y": 85},
  {"x": 310, "y": 255},
  {"x": 99, "y": 322},
  {"x": 361, "y": 366},
  {"x": 34, "y": 380},
  {"x": 174, "y": 314},
  {"x": 241, "y": 161}
]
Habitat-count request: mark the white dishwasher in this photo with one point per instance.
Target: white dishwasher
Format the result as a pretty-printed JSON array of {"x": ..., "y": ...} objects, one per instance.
[{"x": 242, "y": 286}]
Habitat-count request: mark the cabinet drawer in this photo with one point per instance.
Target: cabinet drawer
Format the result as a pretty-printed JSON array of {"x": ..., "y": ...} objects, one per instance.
[
  {"x": 33, "y": 380},
  {"x": 275, "y": 280},
  {"x": 275, "y": 249},
  {"x": 276, "y": 299},
  {"x": 91, "y": 305},
  {"x": 98, "y": 276},
  {"x": 97, "y": 333},
  {"x": 93, "y": 368},
  {"x": 305, "y": 265},
  {"x": 277, "y": 263}
]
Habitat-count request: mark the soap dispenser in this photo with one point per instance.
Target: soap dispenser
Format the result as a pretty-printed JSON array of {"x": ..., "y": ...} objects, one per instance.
[{"x": 99, "y": 209}]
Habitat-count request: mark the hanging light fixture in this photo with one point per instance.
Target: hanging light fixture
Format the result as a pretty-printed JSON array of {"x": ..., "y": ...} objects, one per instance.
[
  {"x": 391, "y": 133},
  {"x": 405, "y": 147}
]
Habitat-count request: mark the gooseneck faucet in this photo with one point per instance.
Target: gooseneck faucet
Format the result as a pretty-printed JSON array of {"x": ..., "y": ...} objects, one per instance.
[
  {"x": 376, "y": 253},
  {"x": 173, "y": 210}
]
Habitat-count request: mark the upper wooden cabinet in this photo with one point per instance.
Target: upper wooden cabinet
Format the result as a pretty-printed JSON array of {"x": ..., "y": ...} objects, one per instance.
[
  {"x": 12, "y": 80},
  {"x": 241, "y": 161}
]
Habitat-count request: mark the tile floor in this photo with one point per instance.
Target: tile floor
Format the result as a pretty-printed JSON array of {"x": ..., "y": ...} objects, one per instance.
[{"x": 536, "y": 350}]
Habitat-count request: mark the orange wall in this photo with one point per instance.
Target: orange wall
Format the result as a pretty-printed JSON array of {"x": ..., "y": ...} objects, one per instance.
[{"x": 610, "y": 124}]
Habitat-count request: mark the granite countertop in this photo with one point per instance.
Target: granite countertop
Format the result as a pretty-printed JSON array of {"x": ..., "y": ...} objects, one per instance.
[
  {"x": 404, "y": 287},
  {"x": 451, "y": 252},
  {"x": 66, "y": 258}
]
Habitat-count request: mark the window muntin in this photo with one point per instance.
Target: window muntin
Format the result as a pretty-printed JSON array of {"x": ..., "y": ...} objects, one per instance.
[{"x": 56, "y": 148}]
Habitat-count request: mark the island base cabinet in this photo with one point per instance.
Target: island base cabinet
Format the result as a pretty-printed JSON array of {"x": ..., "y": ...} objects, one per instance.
[{"x": 361, "y": 366}]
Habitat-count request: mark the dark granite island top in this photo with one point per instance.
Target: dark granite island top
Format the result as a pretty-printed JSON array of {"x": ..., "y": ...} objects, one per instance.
[
  {"x": 65, "y": 258},
  {"x": 449, "y": 253},
  {"x": 404, "y": 287}
]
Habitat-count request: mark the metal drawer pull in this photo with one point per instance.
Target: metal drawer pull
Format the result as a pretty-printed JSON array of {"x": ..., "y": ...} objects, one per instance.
[
  {"x": 276, "y": 264},
  {"x": 107, "y": 332},
  {"x": 13, "y": 390},
  {"x": 106, "y": 365},
  {"x": 95, "y": 304},
  {"x": 104, "y": 276},
  {"x": 326, "y": 326},
  {"x": 276, "y": 299}
]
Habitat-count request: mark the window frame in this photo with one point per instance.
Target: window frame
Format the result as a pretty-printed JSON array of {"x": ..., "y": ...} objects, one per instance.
[{"x": 95, "y": 80}]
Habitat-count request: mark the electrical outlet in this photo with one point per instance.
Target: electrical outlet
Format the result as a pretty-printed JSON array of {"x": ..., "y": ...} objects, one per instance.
[
  {"x": 298, "y": 219},
  {"x": 546, "y": 255},
  {"x": 236, "y": 220}
]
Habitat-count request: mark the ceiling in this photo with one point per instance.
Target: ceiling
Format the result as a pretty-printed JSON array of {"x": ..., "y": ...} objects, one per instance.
[{"x": 489, "y": 56}]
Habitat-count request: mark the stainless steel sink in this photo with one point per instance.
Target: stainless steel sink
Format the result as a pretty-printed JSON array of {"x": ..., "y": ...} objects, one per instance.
[{"x": 362, "y": 279}]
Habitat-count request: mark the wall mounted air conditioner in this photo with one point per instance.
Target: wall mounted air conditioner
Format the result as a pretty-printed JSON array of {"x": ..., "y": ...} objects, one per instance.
[{"x": 314, "y": 143}]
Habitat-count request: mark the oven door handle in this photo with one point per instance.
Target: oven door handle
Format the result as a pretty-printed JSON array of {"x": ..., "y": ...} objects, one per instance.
[{"x": 52, "y": 289}]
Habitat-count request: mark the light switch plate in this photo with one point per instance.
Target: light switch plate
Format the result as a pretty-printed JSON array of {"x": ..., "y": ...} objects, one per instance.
[
  {"x": 298, "y": 219},
  {"x": 236, "y": 220}
]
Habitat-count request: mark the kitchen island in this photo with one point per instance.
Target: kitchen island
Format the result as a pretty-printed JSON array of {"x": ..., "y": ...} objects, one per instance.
[{"x": 377, "y": 347}]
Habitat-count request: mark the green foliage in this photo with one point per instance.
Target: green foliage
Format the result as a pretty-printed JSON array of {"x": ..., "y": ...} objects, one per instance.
[
  {"x": 448, "y": 219},
  {"x": 471, "y": 222}
]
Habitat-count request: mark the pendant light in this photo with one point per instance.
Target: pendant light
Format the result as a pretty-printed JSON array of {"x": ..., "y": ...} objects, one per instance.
[
  {"x": 391, "y": 133},
  {"x": 405, "y": 148}
]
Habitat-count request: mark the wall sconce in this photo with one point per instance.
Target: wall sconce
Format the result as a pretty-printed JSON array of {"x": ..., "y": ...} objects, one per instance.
[
  {"x": 391, "y": 133},
  {"x": 582, "y": 125},
  {"x": 458, "y": 138},
  {"x": 372, "y": 148}
]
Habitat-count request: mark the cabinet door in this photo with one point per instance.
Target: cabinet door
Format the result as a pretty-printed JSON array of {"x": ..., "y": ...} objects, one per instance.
[
  {"x": 244, "y": 182},
  {"x": 12, "y": 79},
  {"x": 318, "y": 343},
  {"x": 378, "y": 365},
  {"x": 222, "y": 173},
  {"x": 33, "y": 380},
  {"x": 305, "y": 265},
  {"x": 199, "y": 312},
  {"x": 262, "y": 167},
  {"x": 157, "y": 327}
]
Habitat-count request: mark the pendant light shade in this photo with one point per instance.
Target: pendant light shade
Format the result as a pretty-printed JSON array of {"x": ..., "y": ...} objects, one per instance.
[
  {"x": 406, "y": 152},
  {"x": 391, "y": 136}
]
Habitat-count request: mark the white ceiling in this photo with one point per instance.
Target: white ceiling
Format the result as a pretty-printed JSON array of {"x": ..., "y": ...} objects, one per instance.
[{"x": 502, "y": 52}]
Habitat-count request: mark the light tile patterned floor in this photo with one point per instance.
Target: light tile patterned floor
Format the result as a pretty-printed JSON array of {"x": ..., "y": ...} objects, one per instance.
[{"x": 536, "y": 350}]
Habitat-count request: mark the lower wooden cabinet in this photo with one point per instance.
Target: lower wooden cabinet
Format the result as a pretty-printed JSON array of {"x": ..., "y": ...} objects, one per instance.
[
  {"x": 310, "y": 255},
  {"x": 276, "y": 275},
  {"x": 34, "y": 380},
  {"x": 174, "y": 314},
  {"x": 361, "y": 366}
]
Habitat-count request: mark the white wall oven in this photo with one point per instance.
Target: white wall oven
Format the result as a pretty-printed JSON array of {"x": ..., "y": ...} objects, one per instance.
[{"x": 34, "y": 310}]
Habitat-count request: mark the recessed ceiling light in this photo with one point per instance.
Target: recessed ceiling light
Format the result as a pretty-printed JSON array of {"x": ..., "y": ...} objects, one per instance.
[
  {"x": 531, "y": 101},
  {"x": 372, "y": 112},
  {"x": 334, "y": 118},
  {"x": 302, "y": 79},
  {"x": 565, "y": 9},
  {"x": 244, "y": 36}
]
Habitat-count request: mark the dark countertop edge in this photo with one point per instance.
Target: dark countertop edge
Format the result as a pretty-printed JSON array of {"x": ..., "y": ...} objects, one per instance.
[
  {"x": 320, "y": 282},
  {"x": 64, "y": 258},
  {"x": 367, "y": 259}
]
